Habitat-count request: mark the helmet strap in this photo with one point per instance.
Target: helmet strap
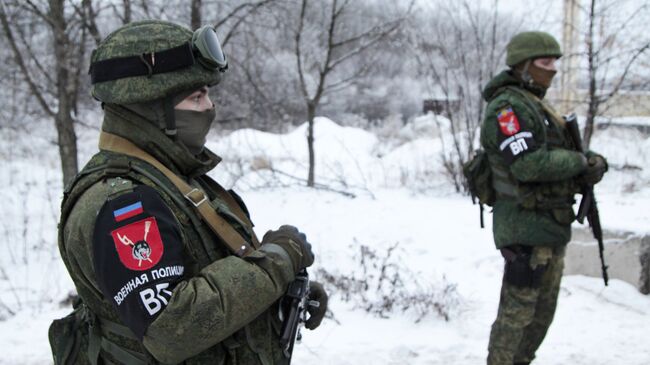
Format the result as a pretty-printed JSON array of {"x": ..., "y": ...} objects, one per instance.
[
  {"x": 525, "y": 75},
  {"x": 170, "y": 121}
]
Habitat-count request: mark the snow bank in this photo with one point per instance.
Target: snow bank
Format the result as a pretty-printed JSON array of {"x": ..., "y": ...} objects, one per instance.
[
  {"x": 436, "y": 230},
  {"x": 346, "y": 158}
]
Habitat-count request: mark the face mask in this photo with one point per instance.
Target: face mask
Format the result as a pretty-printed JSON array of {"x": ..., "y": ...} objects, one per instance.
[
  {"x": 541, "y": 76},
  {"x": 193, "y": 126}
]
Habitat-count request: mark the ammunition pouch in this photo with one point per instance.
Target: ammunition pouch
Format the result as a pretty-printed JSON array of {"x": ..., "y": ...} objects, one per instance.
[
  {"x": 556, "y": 198},
  {"x": 68, "y": 337},
  {"x": 478, "y": 175},
  {"x": 79, "y": 337},
  {"x": 519, "y": 272}
]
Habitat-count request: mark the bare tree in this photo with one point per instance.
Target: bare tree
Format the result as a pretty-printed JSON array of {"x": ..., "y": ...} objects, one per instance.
[
  {"x": 458, "y": 52},
  {"x": 195, "y": 17},
  {"x": 612, "y": 51},
  {"x": 327, "y": 54},
  {"x": 56, "y": 95}
]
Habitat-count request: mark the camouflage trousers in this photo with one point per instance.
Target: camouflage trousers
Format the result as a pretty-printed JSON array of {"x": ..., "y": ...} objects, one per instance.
[{"x": 525, "y": 313}]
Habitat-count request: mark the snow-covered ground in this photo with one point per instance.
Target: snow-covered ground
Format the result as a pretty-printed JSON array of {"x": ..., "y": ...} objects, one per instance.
[{"x": 401, "y": 197}]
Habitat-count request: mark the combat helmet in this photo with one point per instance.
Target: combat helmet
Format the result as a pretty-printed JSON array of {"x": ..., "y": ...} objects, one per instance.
[
  {"x": 528, "y": 45},
  {"x": 152, "y": 59}
]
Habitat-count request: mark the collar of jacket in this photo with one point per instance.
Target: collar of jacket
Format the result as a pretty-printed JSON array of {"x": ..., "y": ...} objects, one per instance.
[
  {"x": 509, "y": 78},
  {"x": 124, "y": 123}
]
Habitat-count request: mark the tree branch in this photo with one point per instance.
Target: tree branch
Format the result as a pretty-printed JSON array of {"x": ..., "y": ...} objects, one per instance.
[
  {"x": 301, "y": 73},
  {"x": 21, "y": 62}
]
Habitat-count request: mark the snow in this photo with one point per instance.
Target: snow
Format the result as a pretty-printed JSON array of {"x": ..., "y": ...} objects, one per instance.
[{"x": 401, "y": 196}]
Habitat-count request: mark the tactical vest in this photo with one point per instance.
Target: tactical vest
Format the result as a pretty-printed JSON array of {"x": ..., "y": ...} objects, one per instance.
[
  {"x": 554, "y": 196},
  {"x": 106, "y": 335}
]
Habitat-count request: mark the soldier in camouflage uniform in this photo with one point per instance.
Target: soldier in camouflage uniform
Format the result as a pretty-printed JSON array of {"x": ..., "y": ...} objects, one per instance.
[
  {"x": 535, "y": 174},
  {"x": 158, "y": 284}
]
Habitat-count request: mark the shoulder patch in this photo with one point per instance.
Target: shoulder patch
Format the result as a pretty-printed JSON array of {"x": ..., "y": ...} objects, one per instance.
[
  {"x": 508, "y": 122},
  {"x": 138, "y": 255}
]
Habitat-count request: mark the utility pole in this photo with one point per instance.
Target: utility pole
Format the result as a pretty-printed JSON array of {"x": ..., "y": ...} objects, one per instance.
[{"x": 569, "y": 67}]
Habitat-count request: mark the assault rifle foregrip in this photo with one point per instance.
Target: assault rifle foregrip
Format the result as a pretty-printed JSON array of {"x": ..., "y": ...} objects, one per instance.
[{"x": 588, "y": 207}]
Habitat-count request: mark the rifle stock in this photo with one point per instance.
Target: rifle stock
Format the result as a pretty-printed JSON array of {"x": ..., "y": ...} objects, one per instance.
[{"x": 588, "y": 206}]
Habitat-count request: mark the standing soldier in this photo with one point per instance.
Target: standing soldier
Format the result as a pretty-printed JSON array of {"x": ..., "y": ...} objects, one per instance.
[
  {"x": 535, "y": 174},
  {"x": 165, "y": 260}
]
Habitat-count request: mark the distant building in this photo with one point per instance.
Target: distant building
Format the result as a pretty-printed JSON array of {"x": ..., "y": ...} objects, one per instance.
[
  {"x": 624, "y": 104},
  {"x": 438, "y": 102},
  {"x": 440, "y": 106}
]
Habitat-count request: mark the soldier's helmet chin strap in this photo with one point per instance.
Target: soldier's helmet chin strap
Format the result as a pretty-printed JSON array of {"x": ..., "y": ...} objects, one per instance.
[
  {"x": 525, "y": 75},
  {"x": 170, "y": 120}
]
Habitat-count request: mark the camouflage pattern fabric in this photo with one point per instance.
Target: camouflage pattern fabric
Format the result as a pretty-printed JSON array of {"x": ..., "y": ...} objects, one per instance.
[
  {"x": 534, "y": 153},
  {"x": 525, "y": 314},
  {"x": 141, "y": 38},
  {"x": 223, "y": 311}
]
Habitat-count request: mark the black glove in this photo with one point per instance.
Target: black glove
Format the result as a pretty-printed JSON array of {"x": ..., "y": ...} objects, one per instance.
[
  {"x": 294, "y": 243},
  {"x": 316, "y": 314},
  {"x": 596, "y": 168}
]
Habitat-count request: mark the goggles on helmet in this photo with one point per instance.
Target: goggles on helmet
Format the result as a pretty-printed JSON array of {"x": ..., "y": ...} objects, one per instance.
[
  {"x": 206, "y": 42},
  {"x": 204, "y": 48}
]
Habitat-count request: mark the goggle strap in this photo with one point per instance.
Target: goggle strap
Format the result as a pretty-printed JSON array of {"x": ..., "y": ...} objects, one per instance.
[{"x": 146, "y": 64}]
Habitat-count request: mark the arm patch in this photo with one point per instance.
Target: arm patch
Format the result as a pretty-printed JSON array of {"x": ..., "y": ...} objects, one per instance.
[
  {"x": 138, "y": 256},
  {"x": 513, "y": 137}
]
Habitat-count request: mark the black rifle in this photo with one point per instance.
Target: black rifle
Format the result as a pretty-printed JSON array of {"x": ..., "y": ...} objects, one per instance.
[
  {"x": 588, "y": 207},
  {"x": 293, "y": 312}
]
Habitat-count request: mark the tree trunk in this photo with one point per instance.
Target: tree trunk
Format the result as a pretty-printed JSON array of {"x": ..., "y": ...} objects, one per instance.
[
  {"x": 593, "y": 101},
  {"x": 195, "y": 21},
  {"x": 592, "y": 112},
  {"x": 311, "y": 114},
  {"x": 127, "y": 11},
  {"x": 66, "y": 91}
]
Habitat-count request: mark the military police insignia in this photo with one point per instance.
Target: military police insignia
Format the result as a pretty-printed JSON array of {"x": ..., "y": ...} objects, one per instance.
[
  {"x": 138, "y": 257},
  {"x": 139, "y": 244},
  {"x": 508, "y": 122},
  {"x": 514, "y": 141}
]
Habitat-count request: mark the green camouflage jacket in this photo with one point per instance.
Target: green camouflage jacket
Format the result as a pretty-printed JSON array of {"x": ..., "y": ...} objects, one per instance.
[
  {"x": 141, "y": 258},
  {"x": 533, "y": 165}
]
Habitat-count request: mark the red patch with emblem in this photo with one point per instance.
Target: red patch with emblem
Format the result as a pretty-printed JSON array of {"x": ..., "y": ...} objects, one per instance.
[
  {"x": 508, "y": 121},
  {"x": 139, "y": 244}
]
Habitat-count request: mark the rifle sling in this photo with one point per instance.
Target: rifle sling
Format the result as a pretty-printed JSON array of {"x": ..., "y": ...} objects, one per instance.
[{"x": 231, "y": 238}]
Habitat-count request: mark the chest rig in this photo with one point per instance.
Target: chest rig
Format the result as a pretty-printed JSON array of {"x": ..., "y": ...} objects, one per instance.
[{"x": 556, "y": 196}]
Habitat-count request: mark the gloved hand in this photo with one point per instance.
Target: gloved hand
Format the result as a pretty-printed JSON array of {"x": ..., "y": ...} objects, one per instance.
[
  {"x": 316, "y": 314},
  {"x": 596, "y": 168},
  {"x": 294, "y": 243}
]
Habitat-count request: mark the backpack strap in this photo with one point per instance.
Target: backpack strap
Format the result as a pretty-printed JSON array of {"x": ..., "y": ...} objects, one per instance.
[{"x": 233, "y": 240}]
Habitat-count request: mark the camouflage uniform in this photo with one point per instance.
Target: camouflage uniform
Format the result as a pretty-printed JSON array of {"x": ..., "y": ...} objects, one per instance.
[
  {"x": 181, "y": 296},
  {"x": 534, "y": 167}
]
